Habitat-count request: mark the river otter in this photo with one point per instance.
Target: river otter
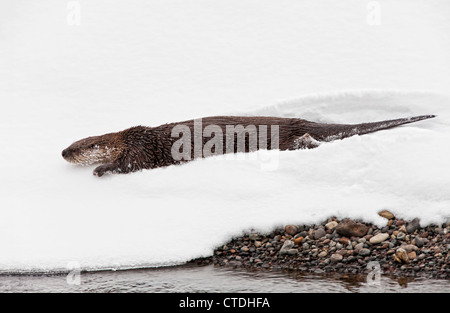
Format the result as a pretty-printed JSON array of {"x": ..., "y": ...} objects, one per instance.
[{"x": 140, "y": 147}]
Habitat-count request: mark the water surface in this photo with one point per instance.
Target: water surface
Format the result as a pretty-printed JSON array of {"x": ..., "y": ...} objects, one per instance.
[{"x": 192, "y": 279}]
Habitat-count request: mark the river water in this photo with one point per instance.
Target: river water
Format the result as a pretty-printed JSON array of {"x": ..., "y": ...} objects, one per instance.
[{"x": 192, "y": 279}]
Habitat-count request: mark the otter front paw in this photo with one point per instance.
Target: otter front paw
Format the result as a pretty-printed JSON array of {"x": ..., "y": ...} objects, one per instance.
[{"x": 102, "y": 169}]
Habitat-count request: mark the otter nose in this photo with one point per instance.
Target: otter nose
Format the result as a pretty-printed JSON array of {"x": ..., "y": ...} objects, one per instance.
[{"x": 65, "y": 153}]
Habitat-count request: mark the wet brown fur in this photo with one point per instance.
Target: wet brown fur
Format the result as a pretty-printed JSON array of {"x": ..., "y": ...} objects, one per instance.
[{"x": 143, "y": 147}]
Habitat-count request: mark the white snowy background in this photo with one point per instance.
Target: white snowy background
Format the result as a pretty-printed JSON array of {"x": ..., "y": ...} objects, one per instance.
[{"x": 151, "y": 62}]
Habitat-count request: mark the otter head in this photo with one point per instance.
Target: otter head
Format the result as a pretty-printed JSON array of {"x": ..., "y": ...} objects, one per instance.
[{"x": 91, "y": 150}]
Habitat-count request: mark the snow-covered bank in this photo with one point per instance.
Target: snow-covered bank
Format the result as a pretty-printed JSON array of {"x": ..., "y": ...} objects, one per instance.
[
  {"x": 150, "y": 63},
  {"x": 55, "y": 213}
]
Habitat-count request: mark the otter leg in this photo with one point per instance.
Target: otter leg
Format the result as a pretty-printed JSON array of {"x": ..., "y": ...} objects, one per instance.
[
  {"x": 108, "y": 167},
  {"x": 304, "y": 142}
]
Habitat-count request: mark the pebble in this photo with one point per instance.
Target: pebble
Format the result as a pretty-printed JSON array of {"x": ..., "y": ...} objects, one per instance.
[
  {"x": 288, "y": 244},
  {"x": 409, "y": 248},
  {"x": 401, "y": 256},
  {"x": 413, "y": 226},
  {"x": 298, "y": 240},
  {"x": 292, "y": 251},
  {"x": 336, "y": 257},
  {"x": 386, "y": 214},
  {"x": 419, "y": 242},
  {"x": 379, "y": 238},
  {"x": 319, "y": 233},
  {"x": 331, "y": 225},
  {"x": 322, "y": 254},
  {"x": 422, "y": 252},
  {"x": 291, "y": 230},
  {"x": 364, "y": 252},
  {"x": 411, "y": 255},
  {"x": 350, "y": 228}
]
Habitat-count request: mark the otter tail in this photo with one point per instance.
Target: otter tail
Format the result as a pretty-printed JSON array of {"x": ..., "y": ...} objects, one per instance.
[{"x": 330, "y": 132}]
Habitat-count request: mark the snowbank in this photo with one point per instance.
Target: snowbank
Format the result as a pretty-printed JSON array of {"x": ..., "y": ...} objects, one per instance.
[{"x": 150, "y": 63}]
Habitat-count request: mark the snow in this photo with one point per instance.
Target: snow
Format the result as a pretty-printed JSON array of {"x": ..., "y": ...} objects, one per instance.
[{"x": 152, "y": 62}]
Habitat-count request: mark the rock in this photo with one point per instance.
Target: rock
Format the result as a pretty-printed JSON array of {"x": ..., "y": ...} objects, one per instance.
[
  {"x": 291, "y": 230},
  {"x": 341, "y": 252},
  {"x": 298, "y": 240},
  {"x": 319, "y": 233},
  {"x": 235, "y": 263},
  {"x": 292, "y": 251},
  {"x": 401, "y": 256},
  {"x": 409, "y": 248},
  {"x": 301, "y": 234},
  {"x": 244, "y": 249},
  {"x": 419, "y": 242},
  {"x": 386, "y": 214},
  {"x": 322, "y": 254},
  {"x": 379, "y": 238},
  {"x": 364, "y": 252},
  {"x": 423, "y": 252},
  {"x": 349, "y": 228},
  {"x": 412, "y": 255},
  {"x": 288, "y": 244},
  {"x": 413, "y": 226},
  {"x": 390, "y": 251},
  {"x": 331, "y": 225},
  {"x": 336, "y": 257}
]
